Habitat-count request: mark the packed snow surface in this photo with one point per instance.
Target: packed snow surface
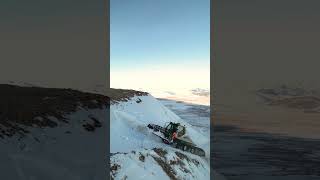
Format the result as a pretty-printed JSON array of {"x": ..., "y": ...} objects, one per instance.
[{"x": 131, "y": 139}]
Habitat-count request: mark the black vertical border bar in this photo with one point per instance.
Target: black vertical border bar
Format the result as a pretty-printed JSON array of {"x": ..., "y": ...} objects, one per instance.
[
  {"x": 107, "y": 58},
  {"x": 212, "y": 72}
]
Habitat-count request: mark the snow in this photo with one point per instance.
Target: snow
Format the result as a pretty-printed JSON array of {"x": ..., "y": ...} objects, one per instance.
[
  {"x": 129, "y": 133},
  {"x": 136, "y": 169},
  {"x": 51, "y": 153},
  {"x": 129, "y": 120},
  {"x": 198, "y": 116}
]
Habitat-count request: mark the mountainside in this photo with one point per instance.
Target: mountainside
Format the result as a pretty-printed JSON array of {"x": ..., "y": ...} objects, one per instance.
[
  {"x": 296, "y": 98},
  {"x": 48, "y": 133},
  {"x": 139, "y": 154}
]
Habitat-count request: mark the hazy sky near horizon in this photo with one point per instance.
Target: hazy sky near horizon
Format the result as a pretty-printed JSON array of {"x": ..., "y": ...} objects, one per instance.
[{"x": 160, "y": 45}]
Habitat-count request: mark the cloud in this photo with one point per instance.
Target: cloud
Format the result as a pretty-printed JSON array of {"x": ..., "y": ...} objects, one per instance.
[
  {"x": 169, "y": 92},
  {"x": 200, "y": 92}
]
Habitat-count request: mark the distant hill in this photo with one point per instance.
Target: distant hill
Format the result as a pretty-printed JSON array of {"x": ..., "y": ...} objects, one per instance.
[{"x": 297, "y": 98}]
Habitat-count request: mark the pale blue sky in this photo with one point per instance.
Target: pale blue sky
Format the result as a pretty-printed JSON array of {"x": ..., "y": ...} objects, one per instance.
[
  {"x": 160, "y": 45},
  {"x": 159, "y": 32}
]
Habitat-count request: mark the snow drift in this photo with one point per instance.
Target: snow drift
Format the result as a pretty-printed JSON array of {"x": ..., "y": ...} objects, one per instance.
[{"x": 138, "y": 154}]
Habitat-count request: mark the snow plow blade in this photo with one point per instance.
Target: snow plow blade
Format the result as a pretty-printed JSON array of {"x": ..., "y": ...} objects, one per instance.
[{"x": 177, "y": 143}]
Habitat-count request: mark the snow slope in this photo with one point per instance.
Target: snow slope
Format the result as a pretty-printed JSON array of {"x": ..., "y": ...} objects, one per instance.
[
  {"x": 70, "y": 147},
  {"x": 66, "y": 152},
  {"x": 131, "y": 139}
]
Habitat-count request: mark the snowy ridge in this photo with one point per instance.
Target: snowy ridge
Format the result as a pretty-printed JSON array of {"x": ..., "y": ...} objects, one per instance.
[
  {"x": 56, "y": 153},
  {"x": 132, "y": 141},
  {"x": 52, "y": 134}
]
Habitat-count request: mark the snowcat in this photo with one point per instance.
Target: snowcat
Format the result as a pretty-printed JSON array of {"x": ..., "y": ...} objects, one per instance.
[{"x": 174, "y": 134}]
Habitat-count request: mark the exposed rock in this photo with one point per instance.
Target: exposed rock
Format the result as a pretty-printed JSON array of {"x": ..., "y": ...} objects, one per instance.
[{"x": 160, "y": 152}]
